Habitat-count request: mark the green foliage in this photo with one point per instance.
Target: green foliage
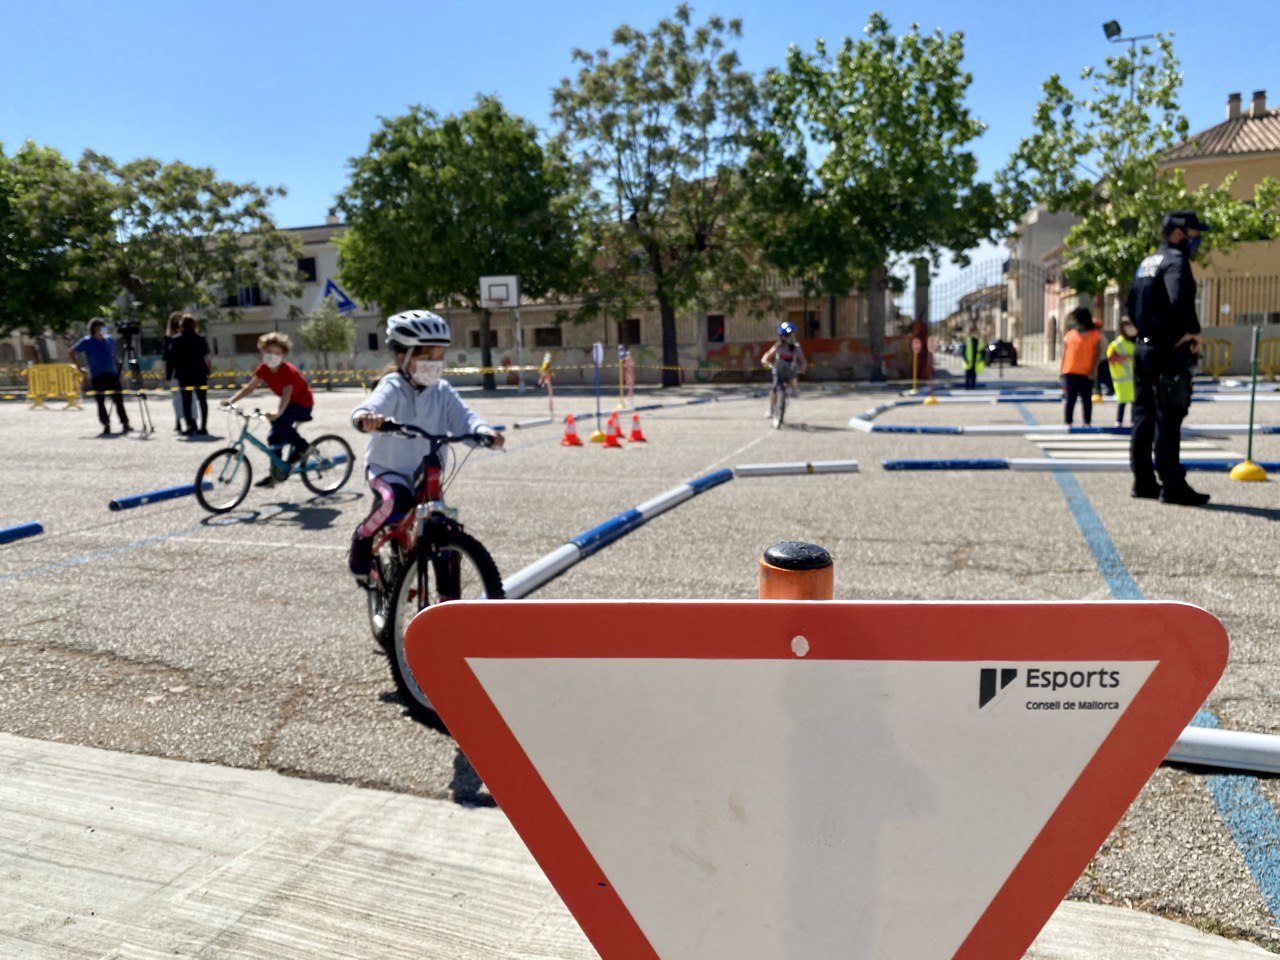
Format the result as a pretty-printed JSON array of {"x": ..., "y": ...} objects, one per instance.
[
  {"x": 866, "y": 157},
  {"x": 327, "y": 330},
  {"x": 55, "y": 231},
  {"x": 1098, "y": 156},
  {"x": 658, "y": 128},
  {"x": 436, "y": 203},
  {"x": 186, "y": 239}
]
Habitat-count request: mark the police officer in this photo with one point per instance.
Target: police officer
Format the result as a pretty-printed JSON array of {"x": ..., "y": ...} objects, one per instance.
[{"x": 1162, "y": 307}]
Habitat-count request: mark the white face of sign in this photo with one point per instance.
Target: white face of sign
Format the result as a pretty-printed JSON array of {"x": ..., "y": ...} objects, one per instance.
[{"x": 859, "y": 809}]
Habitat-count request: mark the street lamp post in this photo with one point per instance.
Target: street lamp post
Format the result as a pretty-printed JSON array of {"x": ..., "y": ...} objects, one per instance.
[{"x": 1112, "y": 29}]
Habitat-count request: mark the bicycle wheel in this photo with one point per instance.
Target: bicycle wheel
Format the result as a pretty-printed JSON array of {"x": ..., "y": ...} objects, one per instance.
[
  {"x": 779, "y": 407},
  {"x": 327, "y": 464},
  {"x": 223, "y": 480},
  {"x": 456, "y": 567},
  {"x": 384, "y": 575}
]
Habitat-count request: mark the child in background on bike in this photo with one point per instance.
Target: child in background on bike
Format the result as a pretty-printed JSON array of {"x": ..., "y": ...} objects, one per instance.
[
  {"x": 410, "y": 391},
  {"x": 786, "y": 360},
  {"x": 286, "y": 382}
]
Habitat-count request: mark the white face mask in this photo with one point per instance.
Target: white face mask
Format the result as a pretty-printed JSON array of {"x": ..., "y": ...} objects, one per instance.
[
  {"x": 272, "y": 360},
  {"x": 426, "y": 373}
]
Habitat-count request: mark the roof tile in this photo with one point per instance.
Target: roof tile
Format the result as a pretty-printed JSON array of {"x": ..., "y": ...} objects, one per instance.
[{"x": 1245, "y": 134}]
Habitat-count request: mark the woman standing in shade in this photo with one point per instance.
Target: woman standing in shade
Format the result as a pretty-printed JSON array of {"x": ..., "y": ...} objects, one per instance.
[
  {"x": 191, "y": 364},
  {"x": 172, "y": 329}
]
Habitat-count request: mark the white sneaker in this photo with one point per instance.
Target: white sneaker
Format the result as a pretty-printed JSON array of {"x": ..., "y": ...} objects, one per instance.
[{"x": 769, "y": 414}]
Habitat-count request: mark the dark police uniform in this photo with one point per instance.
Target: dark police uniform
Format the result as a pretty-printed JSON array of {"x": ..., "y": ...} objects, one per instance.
[{"x": 1162, "y": 307}]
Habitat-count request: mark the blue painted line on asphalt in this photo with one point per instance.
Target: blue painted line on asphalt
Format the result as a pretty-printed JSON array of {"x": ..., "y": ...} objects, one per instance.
[
  {"x": 96, "y": 555},
  {"x": 1249, "y": 816}
]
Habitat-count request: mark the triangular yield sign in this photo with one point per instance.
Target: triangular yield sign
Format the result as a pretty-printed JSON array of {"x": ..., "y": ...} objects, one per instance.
[{"x": 765, "y": 779}]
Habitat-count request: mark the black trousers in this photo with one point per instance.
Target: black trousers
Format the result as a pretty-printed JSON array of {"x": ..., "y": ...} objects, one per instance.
[
  {"x": 109, "y": 383},
  {"x": 197, "y": 390},
  {"x": 1081, "y": 387},
  {"x": 1162, "y": 396},
  {"x": 970, "y": 378}
]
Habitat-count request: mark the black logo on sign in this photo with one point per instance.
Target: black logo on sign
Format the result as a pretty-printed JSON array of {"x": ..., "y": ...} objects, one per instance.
[{"x": 987, "y": 683}]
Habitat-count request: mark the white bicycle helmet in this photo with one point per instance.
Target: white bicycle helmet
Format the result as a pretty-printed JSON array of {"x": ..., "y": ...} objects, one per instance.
[{"x": 418, "y": 328}]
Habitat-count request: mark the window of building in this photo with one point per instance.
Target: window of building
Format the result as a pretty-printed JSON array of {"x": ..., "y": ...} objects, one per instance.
[
  {"x": 373, "y": 341},
  {"x": 247, "y": 297},
  {"x": 474, "y": 338},
  {"x": 715, "y": 328},
  {"x": 548, "y": 337},
  {"x": 629, "y": 331},
  {"x": 247, "y": 342},
  {"x": 307, "y": 267}
]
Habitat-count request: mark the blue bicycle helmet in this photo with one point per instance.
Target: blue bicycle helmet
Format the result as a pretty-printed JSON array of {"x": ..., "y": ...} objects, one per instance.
[{"x": 786, "y": 330}]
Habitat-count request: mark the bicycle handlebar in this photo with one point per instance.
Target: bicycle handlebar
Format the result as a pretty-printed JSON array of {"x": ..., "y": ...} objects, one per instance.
[
  {"x": 410, "y": 431},
  {"x": 256, "y": 415}
]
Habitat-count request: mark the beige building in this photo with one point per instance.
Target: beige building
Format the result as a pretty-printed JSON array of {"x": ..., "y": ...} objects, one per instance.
[{"x": 1243, "y": 286}]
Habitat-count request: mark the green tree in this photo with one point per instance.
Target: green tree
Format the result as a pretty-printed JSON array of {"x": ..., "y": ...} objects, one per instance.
[
  {"x": 659, "y": 131},
  {"x": 55, "y": 234},
  {"x": 436, "y": 203},
  {"x": 866, "y": 160},
  {"x": 1098, "y": 156},
  {"x": 328, "y": 331},
  {"x": 186, "y": 239}
]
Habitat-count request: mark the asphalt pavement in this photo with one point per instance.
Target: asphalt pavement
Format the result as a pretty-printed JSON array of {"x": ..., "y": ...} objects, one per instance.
[{"x": 238, "y": 647}]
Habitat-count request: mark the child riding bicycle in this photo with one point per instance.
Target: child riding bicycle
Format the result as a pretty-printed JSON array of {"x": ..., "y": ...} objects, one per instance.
[
  {"x": 287, "y": 382},
  {"x": 410, "y": 391},
  {"x": 786, "y": 360}
]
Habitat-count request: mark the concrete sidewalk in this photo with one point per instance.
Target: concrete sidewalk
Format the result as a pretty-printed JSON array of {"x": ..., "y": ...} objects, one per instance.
[{"x": 108, "y": 854}]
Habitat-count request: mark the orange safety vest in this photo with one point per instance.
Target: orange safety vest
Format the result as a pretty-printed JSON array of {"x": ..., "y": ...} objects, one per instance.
[{"x": 1081, "y": 353}]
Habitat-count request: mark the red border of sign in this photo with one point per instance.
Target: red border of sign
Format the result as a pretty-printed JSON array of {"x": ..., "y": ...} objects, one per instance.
[{"x": 1188, "y": 643}]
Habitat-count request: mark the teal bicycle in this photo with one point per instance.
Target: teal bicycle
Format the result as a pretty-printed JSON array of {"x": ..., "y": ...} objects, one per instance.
[{"x": 223, "y": 480}]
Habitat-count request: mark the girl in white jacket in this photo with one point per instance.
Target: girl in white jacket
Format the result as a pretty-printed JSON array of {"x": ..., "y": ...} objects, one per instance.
[{"x": 412, "y": 393}]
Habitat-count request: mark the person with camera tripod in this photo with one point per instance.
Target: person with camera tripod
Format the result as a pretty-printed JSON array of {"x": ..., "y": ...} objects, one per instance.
[{"x": 99, "y": 353}]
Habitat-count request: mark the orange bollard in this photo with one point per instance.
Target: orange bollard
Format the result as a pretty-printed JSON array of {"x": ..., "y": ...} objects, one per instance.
[
  {"x": 796, "y": 571},
  {"x": 636, "y": 435}
]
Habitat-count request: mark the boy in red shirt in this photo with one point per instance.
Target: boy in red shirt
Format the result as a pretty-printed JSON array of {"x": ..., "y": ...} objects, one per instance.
[{"x": 286, "y": 382}]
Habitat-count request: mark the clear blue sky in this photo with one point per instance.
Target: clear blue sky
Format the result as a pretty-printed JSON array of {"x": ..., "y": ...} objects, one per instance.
[{"x": 283, "y": 93}]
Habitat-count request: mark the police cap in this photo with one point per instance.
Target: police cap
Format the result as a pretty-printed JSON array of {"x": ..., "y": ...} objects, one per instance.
[{"x": 1182, "y": 219}]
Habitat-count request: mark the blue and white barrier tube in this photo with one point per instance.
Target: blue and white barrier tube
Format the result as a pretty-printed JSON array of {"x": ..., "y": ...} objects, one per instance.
[
  {"x": 1233, "y": 749},
  {"x": 795, "y": 469},
  {"x": 154, "y": 496},
  {"x": 1049, "y": 429},
  {"x": 1046, "y": 465},
  {"x": 544, "y": 570},
  {"x": 20, "y": 531}
]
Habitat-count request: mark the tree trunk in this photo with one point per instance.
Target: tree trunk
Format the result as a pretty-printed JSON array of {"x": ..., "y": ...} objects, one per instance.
[
  {"x": 328, "y": 377},
  {"x": 831, "y": 315},
  {"x": 875, "y": 320},
  {"x": 486, "y": 351},
  {"x": 670, "y": 353}
]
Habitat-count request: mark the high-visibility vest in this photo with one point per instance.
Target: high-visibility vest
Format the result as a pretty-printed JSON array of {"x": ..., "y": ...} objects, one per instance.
[
  {"x": 1120, "y": 363},
  {"x": 973, "y": 353}
]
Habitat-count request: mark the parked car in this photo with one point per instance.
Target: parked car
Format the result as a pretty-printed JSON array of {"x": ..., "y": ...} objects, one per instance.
[{"x": 1002, "y": 351}]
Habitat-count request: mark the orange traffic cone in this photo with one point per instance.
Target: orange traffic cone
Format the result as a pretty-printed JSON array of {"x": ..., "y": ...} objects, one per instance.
[
  {"x": 636, "y": 436},
  {"x": 570, "y": 438},
  {"x": 613, "y": 433}
]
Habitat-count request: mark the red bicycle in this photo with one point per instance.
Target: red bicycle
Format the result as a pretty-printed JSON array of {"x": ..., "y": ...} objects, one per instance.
[{"x": 423, "y": 559}]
